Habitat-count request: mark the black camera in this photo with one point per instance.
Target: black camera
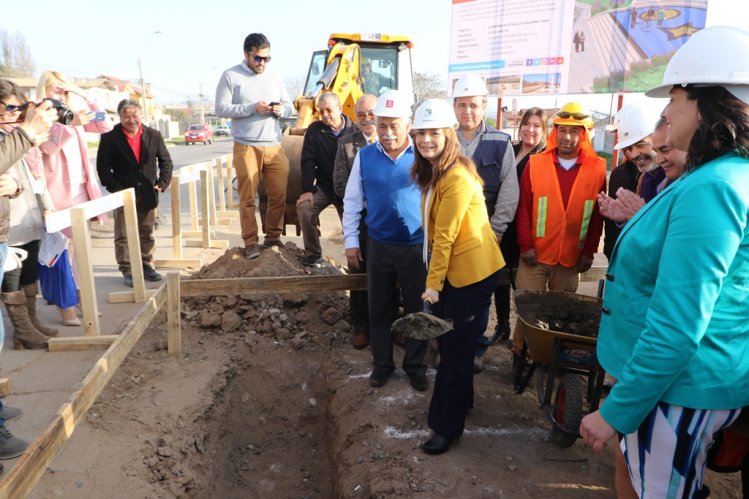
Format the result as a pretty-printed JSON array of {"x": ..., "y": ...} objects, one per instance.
[{"x": 64, "y": 115}]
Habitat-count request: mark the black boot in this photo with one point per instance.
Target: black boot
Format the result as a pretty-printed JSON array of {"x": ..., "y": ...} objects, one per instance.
[{"x": 501, "y": 332}]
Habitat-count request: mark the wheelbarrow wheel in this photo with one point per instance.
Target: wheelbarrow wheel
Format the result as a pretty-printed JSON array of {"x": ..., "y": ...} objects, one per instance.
[{"x": 568, "y": 410}]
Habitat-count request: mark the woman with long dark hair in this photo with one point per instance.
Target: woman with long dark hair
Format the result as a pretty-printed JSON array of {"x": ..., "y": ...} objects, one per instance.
[
  {"x": 674, "y": 329},
  {"x": 463, "y": 261}
]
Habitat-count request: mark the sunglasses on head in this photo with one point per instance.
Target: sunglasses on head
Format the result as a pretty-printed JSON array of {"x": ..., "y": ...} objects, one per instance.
[
  {"x": 575, "y": 116},
  {"x": 258, "y": 59}
]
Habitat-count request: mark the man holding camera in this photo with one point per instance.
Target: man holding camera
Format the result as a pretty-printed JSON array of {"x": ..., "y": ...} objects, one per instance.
[
  {"x": 134, "y": 155},
  {"x": 255, "y": 97}
]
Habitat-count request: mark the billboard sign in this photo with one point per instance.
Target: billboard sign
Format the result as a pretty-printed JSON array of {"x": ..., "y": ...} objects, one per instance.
[{"x": 569, "y": 46}]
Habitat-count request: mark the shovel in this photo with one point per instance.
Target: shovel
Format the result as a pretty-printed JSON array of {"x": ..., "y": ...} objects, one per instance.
[{"x": 421, "y": 325}]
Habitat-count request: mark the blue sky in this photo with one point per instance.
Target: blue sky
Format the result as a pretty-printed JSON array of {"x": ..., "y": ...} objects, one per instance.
[{"x": 202, "y": 38}]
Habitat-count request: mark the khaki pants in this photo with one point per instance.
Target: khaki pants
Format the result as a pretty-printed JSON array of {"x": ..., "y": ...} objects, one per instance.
[
  {"x": 308, "y": 215},
  {"x": 146, "y": 223},
  {"x": 538, "y": 278},
  {"x": 250, "y": 162}
]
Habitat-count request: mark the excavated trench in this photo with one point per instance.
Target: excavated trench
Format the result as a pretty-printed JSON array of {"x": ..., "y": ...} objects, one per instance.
[{"x": 267, "y": 435}]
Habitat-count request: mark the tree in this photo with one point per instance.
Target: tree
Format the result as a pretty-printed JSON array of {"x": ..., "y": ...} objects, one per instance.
[
  {"x": 429, "y": 85},
  {"x": 15, "y": 56}
]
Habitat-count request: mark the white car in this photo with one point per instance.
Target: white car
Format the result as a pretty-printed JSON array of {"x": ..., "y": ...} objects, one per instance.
[{"x": 222, "y": 130}]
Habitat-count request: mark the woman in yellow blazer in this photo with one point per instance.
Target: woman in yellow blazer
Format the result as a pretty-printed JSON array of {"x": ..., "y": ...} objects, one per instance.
[{"x": 463, "y": 260}]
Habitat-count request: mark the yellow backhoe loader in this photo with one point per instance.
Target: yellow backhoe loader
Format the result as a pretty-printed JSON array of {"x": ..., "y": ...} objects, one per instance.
[{"x": 352, "y": 65}]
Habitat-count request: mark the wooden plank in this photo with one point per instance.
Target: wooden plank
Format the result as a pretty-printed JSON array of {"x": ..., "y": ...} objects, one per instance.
[
  {"x": 188, "y": 234},
  {"x": 58, "y": 220},
  {"x": 265, "y": 285},
  {"x": 127, "y": 296},
  {"x": 220, "y": 182},
  {"x": 193, "y": 199},
  {"x": 173, "y": 325},
  {"x": 5, "y": 387},
  {"x": 78, "y": 343},
  {"x": 31, "y": 465},
  {"x": 594, "y": 274},
  {"x": 205, "y": 215},
  {"x": 85, "y": 267},
  {"x": 176, "y": 219},
  {"x": 133, "y": 246},
  {"x": 179, "y": 263},
  {"x": 230, "y": 181},
  {"x": 212, "y": 244},
  {"x": 211, "y": 192}
]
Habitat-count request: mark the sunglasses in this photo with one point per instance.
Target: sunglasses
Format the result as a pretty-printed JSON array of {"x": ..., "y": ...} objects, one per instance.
[
  {"x": 259, "y": 59},
  {"x": 575, "y": 116},
  {"x": 12, "y": 108}
]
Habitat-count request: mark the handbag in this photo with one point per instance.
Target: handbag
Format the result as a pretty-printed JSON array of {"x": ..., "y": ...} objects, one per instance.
[{"x": 14, "y": 259}]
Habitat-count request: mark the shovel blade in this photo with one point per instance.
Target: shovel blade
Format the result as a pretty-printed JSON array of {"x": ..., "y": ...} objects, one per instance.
[{"x": 420, "y": 326}]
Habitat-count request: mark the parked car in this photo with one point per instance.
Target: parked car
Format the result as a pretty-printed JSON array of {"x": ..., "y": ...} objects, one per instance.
[
  {"x": 222, "y": 130},
  {"x": 198, "y": 133}
]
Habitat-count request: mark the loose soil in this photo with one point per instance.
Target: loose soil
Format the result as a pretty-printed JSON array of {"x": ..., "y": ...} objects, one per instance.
[{"x": 269, "y": 399}]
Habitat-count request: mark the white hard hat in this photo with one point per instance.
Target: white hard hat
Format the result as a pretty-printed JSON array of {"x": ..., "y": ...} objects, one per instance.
[
  {"x": 714, "y": 56},
  {"x": 393, "y": 104},
  {"x": 634, "y": 122},
  {"x": 434, "y": 113},
  {"x": 470, "y": 85}
]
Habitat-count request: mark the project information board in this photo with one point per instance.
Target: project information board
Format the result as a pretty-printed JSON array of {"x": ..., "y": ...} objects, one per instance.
[{"x": 567, "y": 46}]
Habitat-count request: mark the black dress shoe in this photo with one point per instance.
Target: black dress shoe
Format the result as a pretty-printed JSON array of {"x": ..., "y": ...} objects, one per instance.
[
  {"x": 419, "y": 381},
  {"x": 379, "y": 377},
  {"x": 437, "y": 445}
]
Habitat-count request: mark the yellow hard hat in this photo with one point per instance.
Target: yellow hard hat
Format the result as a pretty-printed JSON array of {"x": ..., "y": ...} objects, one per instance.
[{"x": 573, "y": 114}]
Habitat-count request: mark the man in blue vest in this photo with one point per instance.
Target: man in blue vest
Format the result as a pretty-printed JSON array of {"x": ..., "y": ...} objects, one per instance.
[
  {"x": 380, "y": 181},
  {"x": 492, "y": 153}
]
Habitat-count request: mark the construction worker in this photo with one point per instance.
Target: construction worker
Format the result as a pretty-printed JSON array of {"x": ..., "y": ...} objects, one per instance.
[
  {"x": 558, "y": 222},
  {"x": 492, "y": 153}
]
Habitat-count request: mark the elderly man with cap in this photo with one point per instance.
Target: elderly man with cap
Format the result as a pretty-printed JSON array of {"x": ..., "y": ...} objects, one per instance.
[
  {"x": 348, "y": 148},
  {"x": 558, "y": 222},
  {"x": 492, "y": 153},
  {"x": 634, "y": 124},
  {"x": 380, "y": 180}
]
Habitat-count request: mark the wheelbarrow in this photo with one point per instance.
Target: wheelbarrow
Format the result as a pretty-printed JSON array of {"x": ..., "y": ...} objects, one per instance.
[{"x": 560, "y": 360}]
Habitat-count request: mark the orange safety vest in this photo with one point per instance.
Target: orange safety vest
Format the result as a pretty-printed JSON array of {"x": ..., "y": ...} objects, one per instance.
[{"x": 559, "y": 234}]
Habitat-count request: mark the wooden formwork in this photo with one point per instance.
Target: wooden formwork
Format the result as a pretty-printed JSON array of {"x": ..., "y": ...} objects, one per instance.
[{"x": 28, "y": 470}]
